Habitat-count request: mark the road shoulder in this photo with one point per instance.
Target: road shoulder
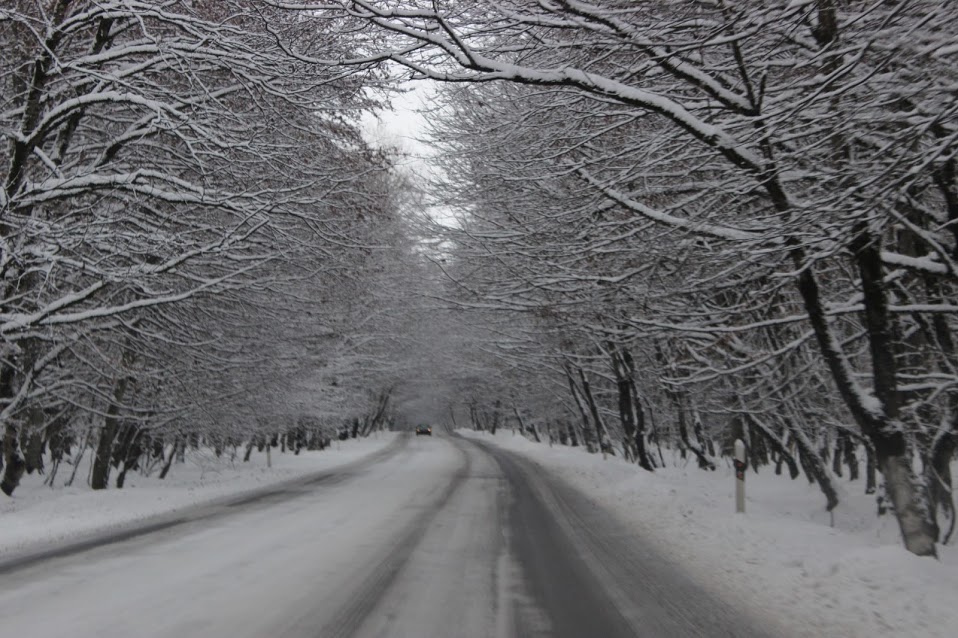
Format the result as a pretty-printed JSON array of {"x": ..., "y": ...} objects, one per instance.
[{"x": 62, "y": 522}]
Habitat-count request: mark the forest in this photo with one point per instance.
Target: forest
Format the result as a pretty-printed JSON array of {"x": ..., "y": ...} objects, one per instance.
[{"x": 649, "y": 226}]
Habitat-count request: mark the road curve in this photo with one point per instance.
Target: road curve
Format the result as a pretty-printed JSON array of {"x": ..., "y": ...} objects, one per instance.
[{"x": 439, "y": 537}]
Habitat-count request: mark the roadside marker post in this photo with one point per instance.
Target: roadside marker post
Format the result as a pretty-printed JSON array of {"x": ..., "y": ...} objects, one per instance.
[{"x": 740, "y": 465}]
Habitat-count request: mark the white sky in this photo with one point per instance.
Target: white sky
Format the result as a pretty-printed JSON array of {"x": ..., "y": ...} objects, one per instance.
[{"x": 403, "y": 126}]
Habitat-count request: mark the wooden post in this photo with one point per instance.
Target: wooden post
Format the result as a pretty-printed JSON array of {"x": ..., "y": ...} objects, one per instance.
[{"x": 740, "y": 465}]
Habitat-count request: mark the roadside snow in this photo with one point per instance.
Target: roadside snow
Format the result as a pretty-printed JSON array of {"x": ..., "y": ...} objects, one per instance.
[
  {"x": 782, "y": 558},
  {"x": 37, "y": 516}
]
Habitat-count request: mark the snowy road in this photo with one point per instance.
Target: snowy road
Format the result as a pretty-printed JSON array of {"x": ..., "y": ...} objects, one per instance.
[{"x": 442, "y": 537}]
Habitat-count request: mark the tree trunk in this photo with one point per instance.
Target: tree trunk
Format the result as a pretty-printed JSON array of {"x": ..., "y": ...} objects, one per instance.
[
  {"x": 871, "y": 469},
  {"x": 583, "y": 415},
  {"x": 878, "y": 418},
  {"x": 571, "y": 434},
  {"x": 641, "y": 448},
  {"x": 704, "y": 462},
  {"x": 104, "y": 449},
  {"x": 640, "y": 436},
  {"x": 100, "y": 476},
  {"x": 79, "y": 457},
  {"x": 939, "y": 479},
  {"x": 784, "y": 455},
  {"x": 837, "y": 454},
  {"x": 381, "y": 405},
  {"x": 851, "y": 460},
  {"x": 169, "y": 461},
  {"x": 522, "y": 426},
  {"x": 130, "y": 450},
  {"x": 813, "y": 464},
  {"x": 626, "y": 404},
  {"x": 601, "y": 432},
  {"x": 653, "y": 435},
  {"x": 704, "y": 441},
  {"x": 35, "y": 441},
  {"x": 13, "y": 463}
]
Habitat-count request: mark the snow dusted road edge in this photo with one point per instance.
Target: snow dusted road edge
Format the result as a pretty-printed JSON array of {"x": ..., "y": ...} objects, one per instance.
[
  {"x": 781, "y": 559},
  {"x": 38, "y": 520}
]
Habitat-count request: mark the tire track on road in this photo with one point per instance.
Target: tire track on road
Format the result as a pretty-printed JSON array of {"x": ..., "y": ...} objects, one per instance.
[
  {"x": 561, "y": 583},
  {"x": 610, "y": 576},
  {"x": 348, "y": 620}
]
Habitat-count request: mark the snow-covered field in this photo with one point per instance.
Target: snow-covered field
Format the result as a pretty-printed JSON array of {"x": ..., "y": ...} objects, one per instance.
[
  {"x": 37, "y": 515},
  {"x": 782, "y": 558}
]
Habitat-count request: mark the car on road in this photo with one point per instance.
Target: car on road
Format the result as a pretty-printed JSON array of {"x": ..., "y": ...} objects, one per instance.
[{"x": 423, "y": 429}]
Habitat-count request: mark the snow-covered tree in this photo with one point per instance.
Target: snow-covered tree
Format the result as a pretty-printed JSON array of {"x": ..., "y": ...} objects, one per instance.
[
  {"x": 802, "y": 142},
  {"x": 168, "y": 167}
]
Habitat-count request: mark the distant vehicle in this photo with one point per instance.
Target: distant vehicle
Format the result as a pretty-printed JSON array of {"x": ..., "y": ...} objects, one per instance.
[{"x": 423, "y": 429}]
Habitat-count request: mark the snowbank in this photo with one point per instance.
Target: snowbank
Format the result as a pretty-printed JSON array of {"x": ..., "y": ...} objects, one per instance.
[
  {"x": 38, "y": 516},
  {"x": 782, "y": 558}
]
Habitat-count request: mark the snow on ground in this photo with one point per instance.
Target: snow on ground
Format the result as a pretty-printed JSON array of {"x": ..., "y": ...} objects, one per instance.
[
  {"x": 782, "y": 558},
  {"x": 310, "y": 565},
  {"x": 37, "y": 515}
]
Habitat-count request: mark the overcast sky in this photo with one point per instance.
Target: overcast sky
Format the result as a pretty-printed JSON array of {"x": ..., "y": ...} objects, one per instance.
[{"x": 403, "y": 126}]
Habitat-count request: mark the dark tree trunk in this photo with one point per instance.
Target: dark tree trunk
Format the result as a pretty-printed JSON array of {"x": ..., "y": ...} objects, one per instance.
[
  {"x": 379, "y": 415},
  {"x": 169, "y": 461},
  {"x": 32, "y": 108},
  {"x": 704, "y": 441},
  {"x": 704, "y": 461},
  {"x": 36, "y": 444},
  {"x": 871, "y": 470},
  {"x": 474, "y": 418},
  {"x": 813, "y": 464},
  {"x": 630, "y": 408},
  {"x": 878, "y": 422},
  {"x": 522, "y": 426},
  {"x": 602, "y": 434},
  {"x": 574, "y": 390},
  {"x": 13, "y": 462},
  {"x": 641, "y": 449},
  {"x": 838, "y": 454},
  {"x": 850, "y": 458},
  {"x": 132, "y": 450},
  {"x": 59, "y": 444},
  {"x": 571, "y": 435},
  {"x": 653, "y": 431},
  {"x": 626, "y": 404},
  {"x": 104, "y": 449},
  {"x": 939, "y": 479},
  {"x": 777, "y": 444}
]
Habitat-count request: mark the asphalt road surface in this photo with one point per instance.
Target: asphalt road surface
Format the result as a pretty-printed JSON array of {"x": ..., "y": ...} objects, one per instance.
[{"x": 436, "y": 537}]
